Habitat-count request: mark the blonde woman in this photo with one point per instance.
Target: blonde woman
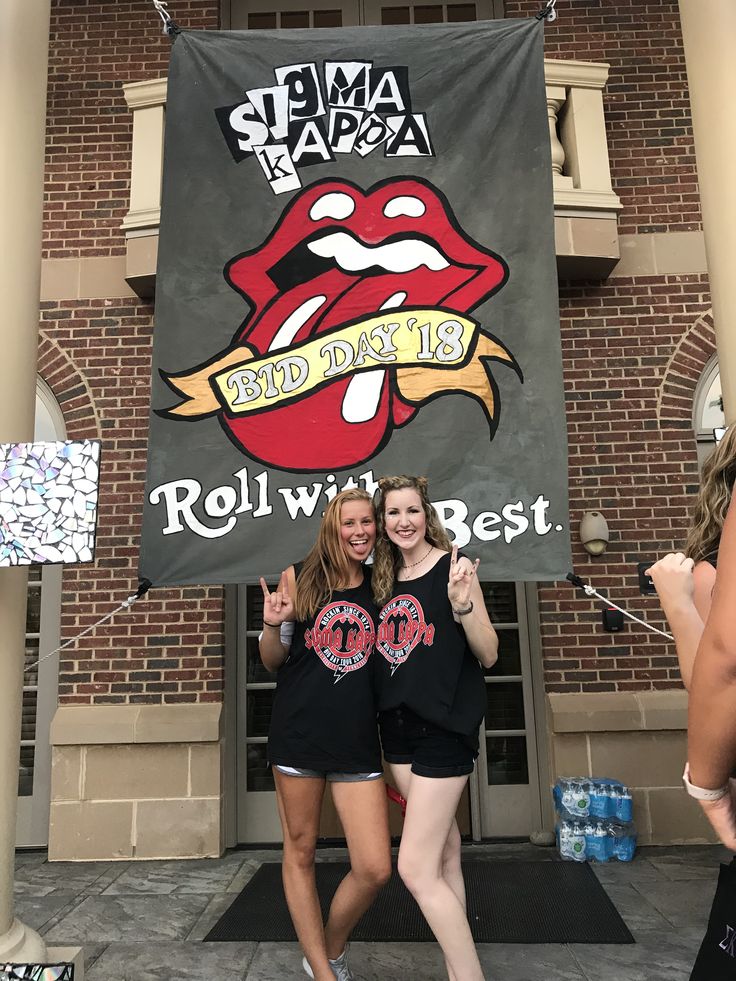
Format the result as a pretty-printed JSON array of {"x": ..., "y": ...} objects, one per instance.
[
  {"x": 685, "y": 580},
  {"x": 434, "y": 638},
  {"x": 319, "y": 631}
]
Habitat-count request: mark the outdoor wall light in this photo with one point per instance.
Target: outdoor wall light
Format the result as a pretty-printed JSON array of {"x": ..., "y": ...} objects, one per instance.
[{"x": 594, "y": 532}]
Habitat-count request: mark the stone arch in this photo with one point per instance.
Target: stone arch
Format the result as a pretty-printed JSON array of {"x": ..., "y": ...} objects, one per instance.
[
  {"x": 71, "y": 390},
  {"x": 680, "y": 378}
]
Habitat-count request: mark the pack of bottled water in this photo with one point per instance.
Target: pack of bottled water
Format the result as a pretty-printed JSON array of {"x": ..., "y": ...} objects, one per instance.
[{"x": 594, "y": 819}]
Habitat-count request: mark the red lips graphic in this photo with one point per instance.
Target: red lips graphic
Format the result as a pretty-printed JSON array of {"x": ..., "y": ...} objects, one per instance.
[{"x": 338, "y": 254}]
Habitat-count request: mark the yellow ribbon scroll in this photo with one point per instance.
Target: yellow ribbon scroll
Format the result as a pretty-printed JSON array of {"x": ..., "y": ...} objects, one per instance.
[{"x": 431, "y": 350}]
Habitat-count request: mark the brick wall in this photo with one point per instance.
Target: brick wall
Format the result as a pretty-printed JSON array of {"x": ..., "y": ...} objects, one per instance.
[
  {"x": 629, "y": 392},
  {"x": 632, "y": 452},
  {"x": 96, "y": 48},
  {"x": 631, "y": 446},
  {"x": 647, "y": 110},
  {"x": 96, "y": 357}
]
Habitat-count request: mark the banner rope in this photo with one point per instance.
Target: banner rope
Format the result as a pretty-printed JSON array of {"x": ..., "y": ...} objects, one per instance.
[
  {"x": 170, "y": 27},
  {"x": 143, "y": 587},
  {"x": 589, "y": 591},
  {"x": 548, "y": 12}
]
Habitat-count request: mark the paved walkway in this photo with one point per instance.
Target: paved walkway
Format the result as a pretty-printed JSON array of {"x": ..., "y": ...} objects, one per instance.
[{"x": 144, "y": 921}]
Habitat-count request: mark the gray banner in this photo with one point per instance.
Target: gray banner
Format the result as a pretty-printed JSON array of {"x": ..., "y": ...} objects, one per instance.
[{"x": 356, "y": 278}]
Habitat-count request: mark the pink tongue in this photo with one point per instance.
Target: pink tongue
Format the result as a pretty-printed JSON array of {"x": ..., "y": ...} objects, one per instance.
[{"x": 311, "y": 434}]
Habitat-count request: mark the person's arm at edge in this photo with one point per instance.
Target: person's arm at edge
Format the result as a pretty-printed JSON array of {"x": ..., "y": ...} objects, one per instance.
[
  {"x": 712, "y": 709},
  {"x": 272, "y": 651},
  {"x": 686, "y": 612}
]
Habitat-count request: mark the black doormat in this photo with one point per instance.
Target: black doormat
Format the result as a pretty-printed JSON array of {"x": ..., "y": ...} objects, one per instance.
[{"x": 542, "y": 902}]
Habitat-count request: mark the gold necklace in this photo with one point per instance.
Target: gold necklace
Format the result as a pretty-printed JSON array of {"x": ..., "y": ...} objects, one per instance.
[{"x": 418, "y": 561}]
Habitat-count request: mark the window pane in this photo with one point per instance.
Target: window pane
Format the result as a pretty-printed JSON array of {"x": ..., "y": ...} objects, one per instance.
[
  {"x": 328, "y": 18},
  {"x": 25, "y": 771},
  {"x": 261, "y": 22},
  {"x": 33, "y": 610},
  {"x": 509, "y": 655},
  {"x": 294, "y": 18},
  {"x": 30, "y": 675},
  {"x": 507, "y": 762},
  {"x": 428, "y": 15},
  {"x": 500, "y": 600},
  {"x": 28, "y": 718},
  {"x": 713, "y": 416},
  {"x": 395, "y": 15},
  {"x": 34, "y": 573},
  {"x": 259, "y": 711},
  {"x": 255, "y": 672},
  {"x": 460, "y": 11},
  {"x": 505, "y": 705},
  {"x": 260, "y": 777}
]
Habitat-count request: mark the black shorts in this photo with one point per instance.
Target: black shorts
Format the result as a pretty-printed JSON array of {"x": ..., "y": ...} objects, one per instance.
[{"x": 432, "y": 751}]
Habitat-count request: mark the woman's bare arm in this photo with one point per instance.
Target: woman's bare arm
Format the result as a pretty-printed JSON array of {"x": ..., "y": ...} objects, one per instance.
[{"x": 712, "y": 714}]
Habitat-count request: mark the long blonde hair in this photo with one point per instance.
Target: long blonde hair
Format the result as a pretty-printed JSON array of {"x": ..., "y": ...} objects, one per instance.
[
  {"x": 714, "y": 497},
  {"x": 387, "y": 558},
  {"x": 326, "y": 567}
]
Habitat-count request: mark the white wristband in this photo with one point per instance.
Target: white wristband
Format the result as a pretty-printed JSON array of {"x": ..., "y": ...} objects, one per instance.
[{"x": 702, "y": 793}]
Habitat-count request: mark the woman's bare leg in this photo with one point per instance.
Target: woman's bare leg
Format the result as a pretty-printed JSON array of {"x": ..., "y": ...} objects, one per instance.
[
  {"x": 299, "y": 801},
  {"x": 363, "y": 812},
  {"x": 429, "y": 851}
]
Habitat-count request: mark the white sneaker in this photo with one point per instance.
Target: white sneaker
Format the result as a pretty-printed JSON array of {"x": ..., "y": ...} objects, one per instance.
[{"x": 339, "y": 967}]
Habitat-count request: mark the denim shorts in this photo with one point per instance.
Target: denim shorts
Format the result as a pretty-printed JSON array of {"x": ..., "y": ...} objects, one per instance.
[
  {"x": 333, "y": 776},
  {"x": 432, "y": 751}
]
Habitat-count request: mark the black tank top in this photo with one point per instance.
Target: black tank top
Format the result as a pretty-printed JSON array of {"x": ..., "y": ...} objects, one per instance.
[
  {"x": 425, "y": 661},
  {"x": 324, "y": 709}
]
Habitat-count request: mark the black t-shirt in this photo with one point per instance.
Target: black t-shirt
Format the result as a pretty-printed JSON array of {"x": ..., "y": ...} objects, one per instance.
[
  {"x": 425, "y": 661},
  {"x": 324, "y": 709}
]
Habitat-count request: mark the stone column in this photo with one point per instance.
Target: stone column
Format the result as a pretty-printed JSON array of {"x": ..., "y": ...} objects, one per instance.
[
  {"x": 709, "y": 35},
  {"x": 24, "y": 41}
]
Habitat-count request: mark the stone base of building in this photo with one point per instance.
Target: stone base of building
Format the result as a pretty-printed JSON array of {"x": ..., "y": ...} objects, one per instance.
[
  {"x": 136, "y": 782},
  {"x": 639, "y": 738}
]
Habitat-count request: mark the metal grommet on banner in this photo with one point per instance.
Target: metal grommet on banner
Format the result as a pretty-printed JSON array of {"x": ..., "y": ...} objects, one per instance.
[
  {"x": 170, "y": 27},
  {"x": 548, "y": 12}
]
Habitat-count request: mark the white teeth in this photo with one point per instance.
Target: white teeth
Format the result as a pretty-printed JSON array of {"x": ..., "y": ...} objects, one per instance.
[
  {"x": 393, "y": 301},
  {"x": 396, "y": 257},
  {"x": 294, "y": 322},
  {"x": 360, "y": 402}
]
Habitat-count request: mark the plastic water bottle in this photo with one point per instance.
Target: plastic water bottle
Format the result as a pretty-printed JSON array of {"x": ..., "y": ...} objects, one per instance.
[
  {"x": 577, "y": 842},
  {"x": 580, "y": 798},
  {"x": 567, "y": 796},
  {"x": 563, "y": 838},
  {"x": 603, "y": 849},
  {"x": 623, "y": 838},
  {"x": 589, "y": 832},
  {"x": 599, "y": 800},
  {"x": 624, "y": 805}
]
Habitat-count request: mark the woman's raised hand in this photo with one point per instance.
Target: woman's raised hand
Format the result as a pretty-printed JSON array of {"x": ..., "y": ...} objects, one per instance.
[
  {"x": 460, "y": 582},
  {"x": 278, "y": 606},
  {"x": 673, "y": 579}
]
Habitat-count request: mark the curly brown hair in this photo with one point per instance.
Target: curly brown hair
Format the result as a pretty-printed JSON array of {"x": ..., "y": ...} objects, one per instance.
[
  {"x": 326, "y": 567},
  {"x": 714, "y": 497},
  {"x": 387, "y": 557}
]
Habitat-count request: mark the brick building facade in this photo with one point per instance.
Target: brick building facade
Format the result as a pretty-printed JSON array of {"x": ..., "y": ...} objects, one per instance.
[{"x": 635, "y": 345}]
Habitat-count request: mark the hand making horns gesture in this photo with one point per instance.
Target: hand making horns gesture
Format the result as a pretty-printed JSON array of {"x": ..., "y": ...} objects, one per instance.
[
  {"x": 278, "y": 606},
  {"x": 460, "y": 582}
]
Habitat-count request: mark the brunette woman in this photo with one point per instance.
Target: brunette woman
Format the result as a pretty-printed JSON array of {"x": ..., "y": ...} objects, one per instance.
[
  {"x": 319, "y": 635},
  {"x": 434, "y": 638}
]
